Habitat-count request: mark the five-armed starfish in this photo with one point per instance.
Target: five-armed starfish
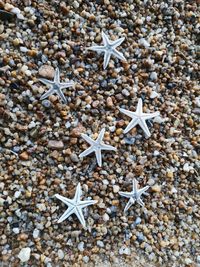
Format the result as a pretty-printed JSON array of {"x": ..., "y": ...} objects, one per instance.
[
  {"x": 134, "y": 195},
  {"x": 109, "y": 49},
  {"x": 75, "y": 205},
  {"x": 55, "y": 86},
  {"x": 139, "y": 117},
  {"x": 96, "y": 146}
]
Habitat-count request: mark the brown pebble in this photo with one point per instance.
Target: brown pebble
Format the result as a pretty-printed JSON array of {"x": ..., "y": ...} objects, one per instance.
[
  {"x": 24, "y": 156},
  {"x": 109, "y": 102},
  {"x": 76, "y": 132}
]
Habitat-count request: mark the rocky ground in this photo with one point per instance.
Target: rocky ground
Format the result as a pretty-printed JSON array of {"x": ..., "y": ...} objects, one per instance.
[{"x": 40, "y": 140}]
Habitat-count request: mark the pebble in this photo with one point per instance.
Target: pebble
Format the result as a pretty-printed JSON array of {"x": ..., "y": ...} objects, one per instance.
[
  {"x": 81, "y": 246},
  {"x": 24, "y": 254},
  {"x": 36, "y": 233},
  {"x": 24, "y": 156},
  {"x": 61, "y": 254},
  {"x": 55, "y": 144},
  {"x": 46, "y": 71},
  {"x": 154, "y": 95},
  {"x": 156, "y": 188},
  {"x": 116, "y": 188}
]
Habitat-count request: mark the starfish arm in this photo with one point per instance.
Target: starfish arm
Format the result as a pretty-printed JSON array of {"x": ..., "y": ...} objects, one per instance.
[
  {"x": 129, "y": 204},
  {"x": 143, "y": 190},
  {"x": 135, "y": 185},
  {"x": 108, "y": 147},
  {"x": 118, "y": 55},
  {"x": 86, "y": 152},
  {"x": 47, "y": 94},
  {"x": 131, "y": 125},
  {"x": 144, "y": 127},
  {"x": 98, "y": 157},
  {"x": 148, "y": 116},
  {"x": 57, "y": 76},
  {"x": 65, "y": 200},
  {"x": 139, "y": 107},
  {"x": 85, "y": 203},
  {"x": 126, "y": 194},
  {"x": 97, "y": 48},
  {"x": 46, "y": 82},
  {"x": 101, "y": 135},
  {"x": 88, "y": 139},
  {"x": 61, "y": 95},
  {"x": 106, "y": 59},
  {"x": 78, "y": 193},
  {"x": 105, "y": 38},
  {"x": 66, "y": 85},
  {"x": 139, "y": 200},
  {"x": 66, "y": 214},
  {"x": 128, "y": 112},
  {"x": 79, "y": 214},
  {"x": 117, "y": 42}
]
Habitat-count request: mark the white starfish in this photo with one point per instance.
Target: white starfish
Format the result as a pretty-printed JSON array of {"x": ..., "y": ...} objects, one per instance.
[
  {"x": 109, "y": 49},
  {"x": 55, "y": 86},
  {"x": 75, "y": 205},
  {"x": 134, "y": 195},
  {"x": 139, "y": 117},
  {"x": 96, "y": 146}
]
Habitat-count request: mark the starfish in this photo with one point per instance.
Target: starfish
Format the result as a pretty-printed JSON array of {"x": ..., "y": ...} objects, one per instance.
[
  {"x": 139, "y": 117},
  {"x": 75, "y": 205},
  {"x": 96, "y": 146},
  {"x": 134, "y": 195},
  {"x": 55, "y": 86},
  {"x": 109, "y": 48}
]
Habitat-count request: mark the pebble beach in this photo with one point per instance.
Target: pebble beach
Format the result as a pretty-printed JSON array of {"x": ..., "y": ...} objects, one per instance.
[{"x": 40, "y": 140}]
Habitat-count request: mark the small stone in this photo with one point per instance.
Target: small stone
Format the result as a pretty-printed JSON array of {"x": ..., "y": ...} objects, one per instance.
[
  {"x": 100, "y": 243},
  {"x": 55, "y": 144},
  {"x": 153, "y": 76},
  {"x": 106, "y": 217},
  {"x": 24, "y": 254},
  {"x": 86, "y": 259},
  {"x": 24, "y": 156},
  {"x": 154, "y": 95},
  {"x": 81, "y": 246},
  {"x": 188, "y": 261},
  {"x": 17, "y": 194},
  {"x": 46, "y": 71},
  {"x": 116, "y": 188},
  {"x": 124, "y": 250},
  {"x": 61, "y": 254},
  {"x": 143, "y": 42},
  {"x": 156, "y": 188},
  {"x": 76, "y": 132},
  {"x": 109, "y": 102},
  {"x": 36, "y": 233},
  {"x": 170, "y": 174},
  {"x": 74, "y": 157}
]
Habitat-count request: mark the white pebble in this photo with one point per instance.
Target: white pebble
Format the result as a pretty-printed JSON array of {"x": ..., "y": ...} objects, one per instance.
[
  {"x": 61, "y": 254},
  {"x": 86, "y": 259},
  {"x": 115, "y": 188},
  {"x": 36, "y": 233},
  {"x": 154, "y": 94},
  {"x": 81, "y": 246},
  {"x": 144, "y": 42},
  {"x": 100, "y": 244},
  {"x": 17, "y": 194},
  {"x": 16, "y": 230},
  {"x": 153, "y": 76},
  {"x": 24, "y": 254},
  {"x": 106, "y": 217}
]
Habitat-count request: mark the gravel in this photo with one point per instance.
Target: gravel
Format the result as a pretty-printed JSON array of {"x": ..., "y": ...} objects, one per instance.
[{"x": 40, "y": 141}]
